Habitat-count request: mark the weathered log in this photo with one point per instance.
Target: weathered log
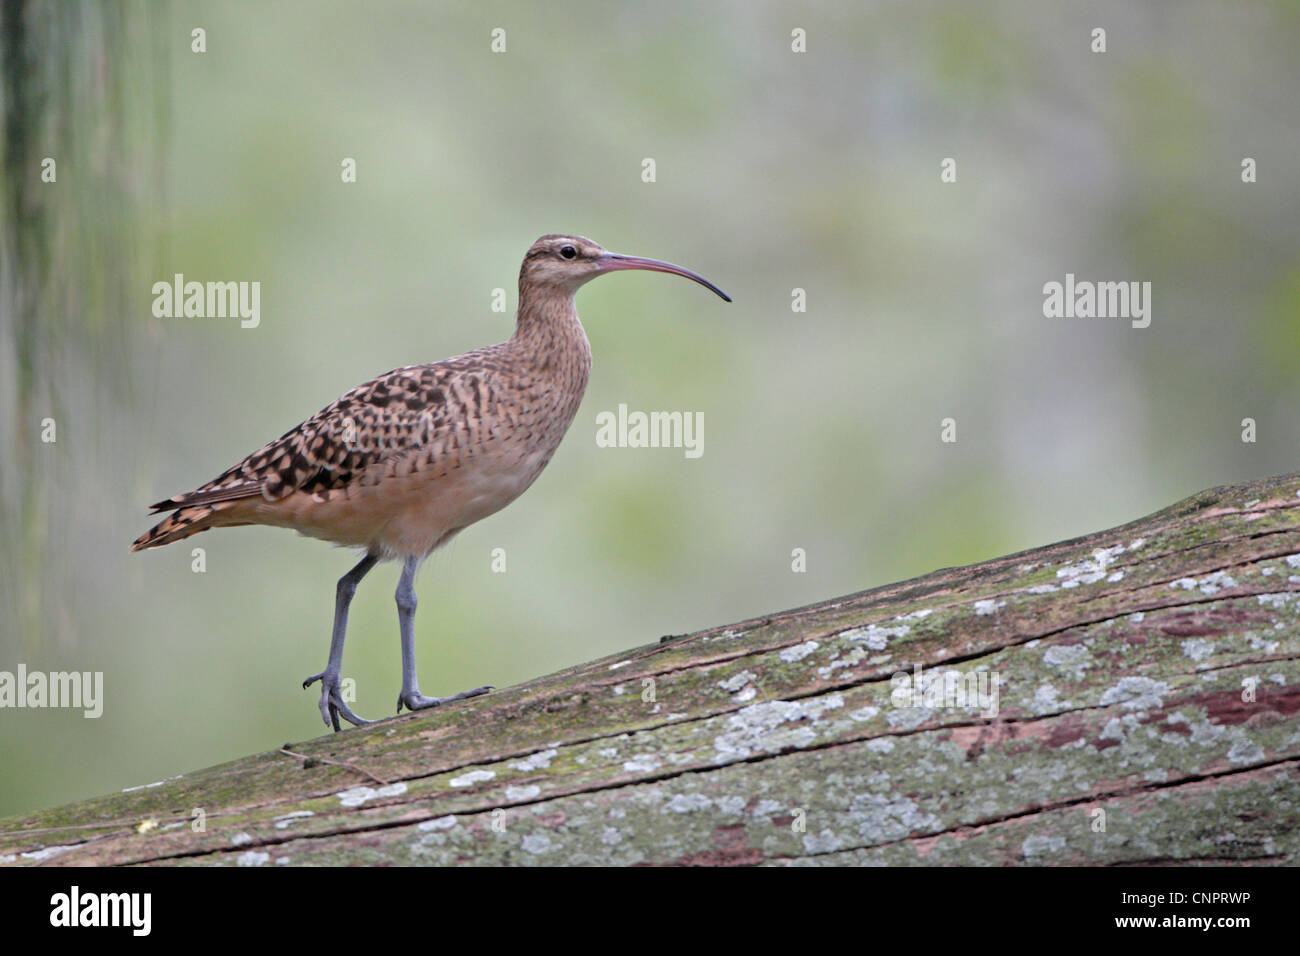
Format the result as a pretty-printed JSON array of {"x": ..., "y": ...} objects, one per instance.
[{"x": 1146, "y": 713}]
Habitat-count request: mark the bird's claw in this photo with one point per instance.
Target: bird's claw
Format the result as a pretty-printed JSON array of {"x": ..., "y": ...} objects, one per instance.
[
  {"x": 414, "y": 700},
  {"x": 332, "y": 705}
]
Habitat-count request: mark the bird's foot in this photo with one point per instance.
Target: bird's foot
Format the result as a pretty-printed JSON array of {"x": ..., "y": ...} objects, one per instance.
[
  {"x": 332, "y": 705},
  {"x": 414, "y": 700}
]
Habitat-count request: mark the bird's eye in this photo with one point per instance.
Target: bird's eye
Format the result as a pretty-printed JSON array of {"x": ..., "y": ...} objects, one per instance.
[{"x": 569, "y": 252}]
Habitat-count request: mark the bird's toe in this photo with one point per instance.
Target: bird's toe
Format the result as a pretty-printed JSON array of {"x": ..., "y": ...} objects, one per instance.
[
  {"x": 332, "y": 705},
  {"x": 414, "y": 700}
]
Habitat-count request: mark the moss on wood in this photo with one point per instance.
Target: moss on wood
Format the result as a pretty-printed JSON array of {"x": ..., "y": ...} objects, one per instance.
[{"x": 1148, "y": 689}]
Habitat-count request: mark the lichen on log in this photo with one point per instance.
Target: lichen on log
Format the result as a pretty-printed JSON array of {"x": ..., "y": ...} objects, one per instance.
[{"x": 1148, "y": 683}]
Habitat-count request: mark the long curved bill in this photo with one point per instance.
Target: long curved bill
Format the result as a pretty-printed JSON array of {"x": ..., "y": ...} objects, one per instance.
[{"x": 611, "y": 262}]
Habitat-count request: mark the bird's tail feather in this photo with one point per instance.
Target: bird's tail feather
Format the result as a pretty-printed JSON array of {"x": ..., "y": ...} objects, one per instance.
[{"x": 181, "y": 524}]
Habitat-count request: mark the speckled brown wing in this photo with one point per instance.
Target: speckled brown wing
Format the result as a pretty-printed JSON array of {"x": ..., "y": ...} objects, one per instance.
[{"x": 387, "y": 416}]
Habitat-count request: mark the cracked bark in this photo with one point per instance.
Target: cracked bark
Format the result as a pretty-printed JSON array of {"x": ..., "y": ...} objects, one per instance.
[{"x": 1147, "y": 714}]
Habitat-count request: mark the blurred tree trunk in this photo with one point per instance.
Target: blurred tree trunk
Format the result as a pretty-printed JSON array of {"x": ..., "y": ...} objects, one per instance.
[{"x": 79, "y": 85}]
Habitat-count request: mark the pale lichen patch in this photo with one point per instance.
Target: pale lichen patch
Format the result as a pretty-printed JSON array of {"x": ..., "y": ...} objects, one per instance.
[
  {"x": 1197, "y": 648},
  {"x": 763, "y": 727},
  {"x": 1205, "y": 732},
  {"x": 875, "y": 636},
  {"x": 880, "y": 817},
  {"x": 1045, "y": 698},
  {"x": 915, "y": 615},
  {"x": 471, "y": 778},
  {"x": 1136, "y": 693},
  {"x": 730, "y": 806},
  {"x": 1209, "y": 585},
  {"x": 687, "y": 803},
  {"x": 356, "y": 796},
  {"x": 729, "y": 634},
  {"x": 440, "y": 823},
  {"x": 537, "y": 761},
  {"x": 737, "y": 681},
  {"x": 851, "y": 659},
  {"x": 289, "y": 819},
  {"x": 1040, "y": 845},
  {"x": 908, "y": 718},
  {"x": 798, "y": 652},
  {"x": 537, "y": 843},
  {"x": 47, "y": 853},
  {"x": 824, "y": 842},
  {"x": 149, "y": 786},
  {"x": 1114, "y": 729},
  {"x": 1090, "y": 570},
  {"x": 1243, "y": 750},
  {"x": 643, "y": 763},
  {"x": 1074, "y": 658}
]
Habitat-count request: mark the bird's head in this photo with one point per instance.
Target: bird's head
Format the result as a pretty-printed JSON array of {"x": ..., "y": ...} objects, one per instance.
[{"x": 566, "y": 263}]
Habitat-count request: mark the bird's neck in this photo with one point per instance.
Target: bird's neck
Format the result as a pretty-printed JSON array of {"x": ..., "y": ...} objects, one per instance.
[{"x": 550, "y": 338}]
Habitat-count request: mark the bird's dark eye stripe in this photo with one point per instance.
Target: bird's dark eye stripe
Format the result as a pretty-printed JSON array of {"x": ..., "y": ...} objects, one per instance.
[{"x": 568, "y": 252}]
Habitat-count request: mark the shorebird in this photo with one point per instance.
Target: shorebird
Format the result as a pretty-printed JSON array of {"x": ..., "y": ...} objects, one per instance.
[{"x": 400, "y": 465}]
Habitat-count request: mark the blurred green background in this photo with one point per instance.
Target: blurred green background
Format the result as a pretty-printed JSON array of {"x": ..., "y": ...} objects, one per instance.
[{"x": 775, "y": 170}]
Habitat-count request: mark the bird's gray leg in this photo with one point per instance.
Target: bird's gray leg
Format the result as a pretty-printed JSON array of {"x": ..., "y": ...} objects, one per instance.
[
  {"x": 331, "y": 696},
  {"x": 410, "y": 696}
]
